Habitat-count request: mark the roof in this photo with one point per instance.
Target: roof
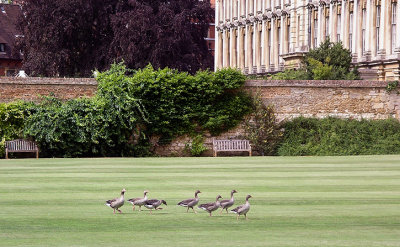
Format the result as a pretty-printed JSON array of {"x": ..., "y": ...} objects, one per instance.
[{"x": 9, "y": 14}]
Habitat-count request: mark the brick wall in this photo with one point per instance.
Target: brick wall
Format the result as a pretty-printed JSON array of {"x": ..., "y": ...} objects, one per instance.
[{"x": 30, "y": 89}]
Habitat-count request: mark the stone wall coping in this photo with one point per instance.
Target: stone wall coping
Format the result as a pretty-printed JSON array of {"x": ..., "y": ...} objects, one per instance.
[
  {"x": 317, "y": 83},
  {"x": 47, "y": 81}
]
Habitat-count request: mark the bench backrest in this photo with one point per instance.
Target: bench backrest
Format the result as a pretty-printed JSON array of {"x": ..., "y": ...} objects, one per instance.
[
  {"x": 21, "y": 145},
  {"x": 231, "y": 145}
]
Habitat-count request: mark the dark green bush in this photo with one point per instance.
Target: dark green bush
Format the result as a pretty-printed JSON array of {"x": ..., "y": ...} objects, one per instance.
[
  {"x": 178, "y": 103},
  {"x": 333, "y": 136}
]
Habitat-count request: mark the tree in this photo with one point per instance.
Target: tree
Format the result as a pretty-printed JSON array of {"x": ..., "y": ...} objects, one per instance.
[
  {"x": 329, "y": 61},
  {"x": 74, "y": 37},
  {"x": 334, "y": 62}
]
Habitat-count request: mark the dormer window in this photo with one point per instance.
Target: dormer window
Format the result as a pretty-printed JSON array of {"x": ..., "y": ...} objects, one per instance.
[{"x": 2, "y": 47}]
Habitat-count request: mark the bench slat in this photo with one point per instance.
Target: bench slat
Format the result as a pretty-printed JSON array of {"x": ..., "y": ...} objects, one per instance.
[{"x": 231, "y": 145}]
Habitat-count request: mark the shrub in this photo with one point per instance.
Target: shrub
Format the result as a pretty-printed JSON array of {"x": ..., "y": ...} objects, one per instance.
[
  {"x": 196, "y": 146},
  {"x": 333, "y": 136},
  {"x": 261, "y": 127},
  {"x": 179, "y": 103}
]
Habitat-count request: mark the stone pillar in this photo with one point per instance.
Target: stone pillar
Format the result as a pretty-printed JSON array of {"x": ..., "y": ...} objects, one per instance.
[
  {"x": 249, "y": 50},
  {"x": 250, "y": 7},
  {"x": 227, "y": 9},
  {"x": 226, "y": 48},
  {"x": 397, "y": 48},
  {"x": 345, "y": 24},
  {"x": 368, "y": 31},
  {"x": 266, "y": 51},
  {"x": 382, "y": 43},
  {"x": 233, "y": 54},
  {"x": 355, "y": 40},
  {"x": 235, "y": 12},
  {"x": 373, "y": 33},
  {"x": 358, "y": 28},
  {"x": 241, "y": 54},
  {"x": 333, "y": 22},
  {"x": 320, "y": 26},
  {"x": 257, "y": 50},
  {"x": 388, "y": 26},
  {"x": 219, "y": 53},
  {"x": 242, "y": 7},
  {"x": 275, "y": 43},
  {"x": 272, "y": 51}
]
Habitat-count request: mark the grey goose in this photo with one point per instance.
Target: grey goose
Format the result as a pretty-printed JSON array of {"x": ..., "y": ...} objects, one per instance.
[
  {"x": 242, "y": 209},
  {"x": 190, "y": 203},
  {"x": 212, "y": 206},
  {"x": 116, "y": 203},
  {"x": 154, "y": 204},
  {"x": 139, "y": 201},
  {"x": 225, "y": 204}
]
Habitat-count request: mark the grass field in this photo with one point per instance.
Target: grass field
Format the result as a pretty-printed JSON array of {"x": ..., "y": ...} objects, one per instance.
[{"x": 297, "y": 201}]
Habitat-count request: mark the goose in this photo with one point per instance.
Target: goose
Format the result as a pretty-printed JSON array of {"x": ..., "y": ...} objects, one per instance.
[
  {"x": 190, "y": 203},
  {"x": 116, "y": 203},
  {"x": 212, "y": 206},
  {"x": 139, "y": 201},
  {"x": 225, "y": 204},
  {"x": 242, "y": 209},
  {"x": 154, "y": 204}
]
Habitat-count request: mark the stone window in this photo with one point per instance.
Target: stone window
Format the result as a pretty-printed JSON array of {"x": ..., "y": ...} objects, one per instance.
[
  {"x": 351, "y": 32},
  {"x": 363, "y": 29},
  {"x": 339, "y": 26},
  {"x": 2, "y": 47},
  {"x": 378, "y": 25},
  {"x": 315, "y": 32},
  {"x": 394, "y": 22}
]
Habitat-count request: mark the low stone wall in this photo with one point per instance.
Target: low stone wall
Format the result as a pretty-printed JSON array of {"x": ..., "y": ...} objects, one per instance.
[
  {"x": 31, "y": 89},
  {"x": 344, "y": 99}
]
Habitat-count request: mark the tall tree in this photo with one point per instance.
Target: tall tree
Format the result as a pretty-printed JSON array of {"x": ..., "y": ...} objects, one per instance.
[{"x": 74, "y": 37}]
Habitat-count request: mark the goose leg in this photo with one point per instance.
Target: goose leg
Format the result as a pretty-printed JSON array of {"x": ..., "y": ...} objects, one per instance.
[
  {"x": 187, "y": 210},
  {"x": 210, "y": 214},
  {"x": 226, "y": 210},
  {"x": 221, "y": 211},
  {"x": 119, "y": 211},
  {"x": 114, "y": 210},
  {"x": 133, "y": 208},
  {"x": 150, "y": 212},
  {"x": 245, "y": 215},
  {"x": 140, "y": 208},
  {"x": 237, "y": 217},
  {"x": 194, "y": 210}
]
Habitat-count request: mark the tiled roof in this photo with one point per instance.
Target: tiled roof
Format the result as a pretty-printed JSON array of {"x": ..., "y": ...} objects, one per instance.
[{"x": 9, "y": 14}]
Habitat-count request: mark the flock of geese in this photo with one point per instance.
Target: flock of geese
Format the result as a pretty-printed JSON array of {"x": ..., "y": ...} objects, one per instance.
[{"x": 154, "y": 204}]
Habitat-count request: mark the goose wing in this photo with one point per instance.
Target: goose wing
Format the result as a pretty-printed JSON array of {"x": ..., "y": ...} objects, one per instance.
[
  {"x": 133, "y": 200},
  {"x": 151, "y": 202},
  {"x": 237, "y": 209},
  {"x": 206, "y": 205},
  {"x": 186, "y": 202}
]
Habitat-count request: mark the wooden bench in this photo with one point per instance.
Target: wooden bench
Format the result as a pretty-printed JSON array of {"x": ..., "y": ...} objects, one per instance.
[
  {"x": 231, "y": 146},
  {"x": 21, "y": 146}
]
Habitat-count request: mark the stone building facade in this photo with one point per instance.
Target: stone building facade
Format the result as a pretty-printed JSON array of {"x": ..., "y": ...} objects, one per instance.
[{"x": 266, "y": 36}]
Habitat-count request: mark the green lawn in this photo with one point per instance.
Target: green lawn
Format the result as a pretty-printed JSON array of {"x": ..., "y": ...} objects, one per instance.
[{"x": 297, "y": 201}]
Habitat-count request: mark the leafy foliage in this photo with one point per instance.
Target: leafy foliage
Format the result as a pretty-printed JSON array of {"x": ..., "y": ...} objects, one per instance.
[
  {"x": 329, "y": 61},
  {"x": 333, "y": 136},
  {"x": 84, "y": 127},
  {"x": 196, "y": 147},
  {"x": 261, "y": 127},
  {"x": 178, "y": 103},
  {"x": 291, "y": 74},
  {"x": 334, "y": 62},
  {"x": 73, "y": 37}
]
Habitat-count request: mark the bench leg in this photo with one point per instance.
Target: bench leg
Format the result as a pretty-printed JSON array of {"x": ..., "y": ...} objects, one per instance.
[
  {"x": 250, "y": 153},
  {"x": 6, "y": 154},
  {"x": 37, "y": 154}
]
